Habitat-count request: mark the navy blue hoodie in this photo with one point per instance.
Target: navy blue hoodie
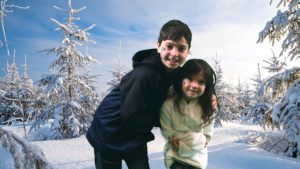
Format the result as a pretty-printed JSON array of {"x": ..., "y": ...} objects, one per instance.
[{"x": 125, "y": 117}]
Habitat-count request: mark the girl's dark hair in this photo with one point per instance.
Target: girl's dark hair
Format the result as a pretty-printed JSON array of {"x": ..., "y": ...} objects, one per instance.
[
  {"x": 194, "y": 67},
  {"x": 175, "y": 30}
]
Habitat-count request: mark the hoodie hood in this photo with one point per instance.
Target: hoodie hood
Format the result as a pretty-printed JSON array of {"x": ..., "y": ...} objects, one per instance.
[{"x": 149, "y": 56}]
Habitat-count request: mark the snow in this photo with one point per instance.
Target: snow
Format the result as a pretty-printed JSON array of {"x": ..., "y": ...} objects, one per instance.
[{"x": 228, "y": 149}]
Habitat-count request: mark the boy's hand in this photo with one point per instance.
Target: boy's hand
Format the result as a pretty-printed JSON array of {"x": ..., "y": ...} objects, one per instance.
[
  {"x": 214, "y": 103},
  {"x": 174, "y": 142}
]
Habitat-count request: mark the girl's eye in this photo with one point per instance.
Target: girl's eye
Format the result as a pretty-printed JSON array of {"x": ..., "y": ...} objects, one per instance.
[
  {"x": 186, "y": 80},
  {"x": 202, "y": 82}
]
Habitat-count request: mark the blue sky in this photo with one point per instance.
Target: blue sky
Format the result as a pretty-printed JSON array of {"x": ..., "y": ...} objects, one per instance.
[{"x": 228, "y": 28}]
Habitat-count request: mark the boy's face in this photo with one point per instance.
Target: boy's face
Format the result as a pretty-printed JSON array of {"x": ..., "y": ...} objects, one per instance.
[{"x": 173, "y": 53}]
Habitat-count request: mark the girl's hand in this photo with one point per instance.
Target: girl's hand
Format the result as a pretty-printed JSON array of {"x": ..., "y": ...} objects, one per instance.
[{"x": 174, "y": 142}]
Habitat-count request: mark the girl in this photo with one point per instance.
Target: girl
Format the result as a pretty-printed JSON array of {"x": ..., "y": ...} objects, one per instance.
[{"x": 187, "y": 117}]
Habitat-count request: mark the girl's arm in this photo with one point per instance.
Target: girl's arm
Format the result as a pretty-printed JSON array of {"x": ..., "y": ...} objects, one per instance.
[
  {"x": 167, "y": 130},
  {"x": 208, "y": 130},
  {"x": 165, "y": 121},
  {"x": 191, "y": 143}
]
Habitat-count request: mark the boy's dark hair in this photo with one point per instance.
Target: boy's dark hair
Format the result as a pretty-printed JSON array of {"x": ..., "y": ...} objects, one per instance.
[
  {"x": 175, "y": 30},
  {"x": 193, "y": 67}
]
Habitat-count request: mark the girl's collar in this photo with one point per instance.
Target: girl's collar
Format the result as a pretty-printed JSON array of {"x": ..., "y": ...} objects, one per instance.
[{"x": 188, "y": 99}]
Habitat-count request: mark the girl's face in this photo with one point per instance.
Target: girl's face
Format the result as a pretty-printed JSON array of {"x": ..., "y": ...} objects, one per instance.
[
  {"x": 194, "y": 86},
  {"x": 173, "y": 53}
]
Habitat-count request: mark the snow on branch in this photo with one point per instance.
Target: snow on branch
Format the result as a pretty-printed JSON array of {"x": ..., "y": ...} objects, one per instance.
[
  {"x": 4, "y": 7},
  {"x": 284, "y": 25},
  {"x": 62, "y": 26},
  {"x": 287, "y": 114},
  {"x": 278, "y": 82},
  {"x": 24, "y": 154}
]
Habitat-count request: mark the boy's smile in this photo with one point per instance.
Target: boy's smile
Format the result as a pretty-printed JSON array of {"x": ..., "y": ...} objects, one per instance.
[{"x": 173, "y": 53}]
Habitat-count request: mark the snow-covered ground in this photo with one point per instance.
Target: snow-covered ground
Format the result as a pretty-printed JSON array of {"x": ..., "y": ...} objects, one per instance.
[{"x": 227, "y": 150}]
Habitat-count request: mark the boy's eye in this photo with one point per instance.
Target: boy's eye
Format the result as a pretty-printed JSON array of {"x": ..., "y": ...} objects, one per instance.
[
  {"x": 181, "y": 49},
  {"x": 169, "y": 47}
]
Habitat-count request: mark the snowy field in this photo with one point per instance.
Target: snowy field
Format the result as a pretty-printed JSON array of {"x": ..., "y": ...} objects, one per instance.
[{"x": 227, "y": 150}]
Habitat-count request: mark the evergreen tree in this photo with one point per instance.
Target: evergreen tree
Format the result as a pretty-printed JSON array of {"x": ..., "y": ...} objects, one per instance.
[
  {"x": 226, "y": 103},
  {"x": 285, "y": 25},
  {"x": 27, "y": 95},
  {"x": 18, "y": 97},
  {"x": 118, "y": 72},
  {"x": 261, "y": 104},
  {"x": 9, "y": 85},
  {"x": 9, "y": 107},
  {"x": 7, "y": 8},
  {"x": 243, "y": 98},
  {"x": 258, "y": 79},
  {"x": 275, "y": 65},
  {"x": 66, "y": 92},
  {"x": 275, "y": 83}
]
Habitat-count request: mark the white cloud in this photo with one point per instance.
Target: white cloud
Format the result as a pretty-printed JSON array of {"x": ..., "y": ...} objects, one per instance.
[
  {"x": 227, "y": 27},
  {"x": 236, "y": 45}
]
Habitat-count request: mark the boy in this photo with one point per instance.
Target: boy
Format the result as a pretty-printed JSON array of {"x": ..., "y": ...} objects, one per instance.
[{"x": 123, "y": 121}]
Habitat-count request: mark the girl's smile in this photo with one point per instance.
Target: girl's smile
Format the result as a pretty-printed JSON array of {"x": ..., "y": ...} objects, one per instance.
[{"x": 194, "y": 86}]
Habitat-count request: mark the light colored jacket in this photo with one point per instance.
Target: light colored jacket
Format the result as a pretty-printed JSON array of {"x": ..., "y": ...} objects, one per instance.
[{"x": 189, "y": 129}]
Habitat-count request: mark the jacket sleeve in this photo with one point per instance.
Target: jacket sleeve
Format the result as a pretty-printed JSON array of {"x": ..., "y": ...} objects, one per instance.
[
  {"x": 137, "y": 92},
  {"x": 208, "y": 130},
  {"x": 191, "y": 143}
]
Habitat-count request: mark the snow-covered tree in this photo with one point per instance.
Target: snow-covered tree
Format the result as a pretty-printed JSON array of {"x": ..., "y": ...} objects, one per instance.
[
  {"x": 18, "y": 97},
  {"x": 275, "y": 65},
  {"x": 12, "y": 76},
  {"x": 25, "y": 81},
  {"x": 258, "y": 79},
  {"x": 119, "y": 71},
  {"x": 256, "y": 113},
  {"x": 9, "y": 107},
  {"x": 27, "y": 95},
  {"x": 286, "y": 113},
  {"x": 2, "y": 84},
  {"x": 7, "y": 8},
  {"x": 243, "y": 98},
  {"x": 10, "y": 84},
  {"x": 227, "y": 110},
  {"x": 274, "y": 83},
  {"x": 66, "y": 91}
]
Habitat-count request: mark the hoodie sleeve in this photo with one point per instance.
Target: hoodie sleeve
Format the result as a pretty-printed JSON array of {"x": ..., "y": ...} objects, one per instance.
[{"x": 137, "y": 99}]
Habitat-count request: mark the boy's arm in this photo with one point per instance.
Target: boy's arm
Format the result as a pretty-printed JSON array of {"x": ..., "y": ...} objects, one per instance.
[{"x": 137, "y": 91}]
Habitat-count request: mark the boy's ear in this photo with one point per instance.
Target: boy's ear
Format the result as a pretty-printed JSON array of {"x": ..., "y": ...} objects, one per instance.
[{"x": 158, "y": 47}]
